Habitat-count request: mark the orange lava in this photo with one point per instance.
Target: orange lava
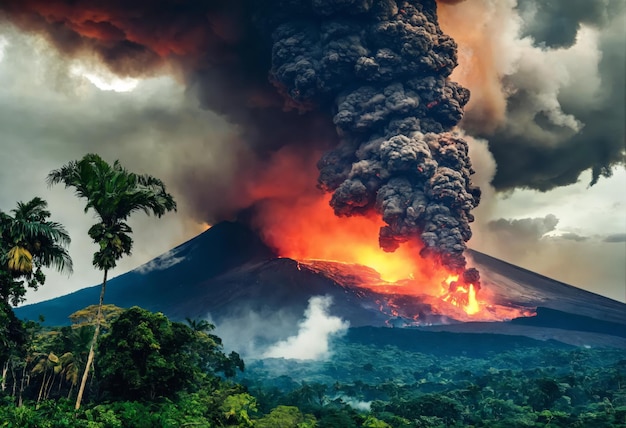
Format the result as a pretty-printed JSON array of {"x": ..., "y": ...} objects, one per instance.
[
  {"x": 461, "y": 296},
  {"x": 315, "y": 233},
  {"x": 297, "y": 220}
]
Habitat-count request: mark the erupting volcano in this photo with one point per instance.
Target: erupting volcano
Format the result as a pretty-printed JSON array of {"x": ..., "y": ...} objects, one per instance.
[{"x": 360, "y": 87}]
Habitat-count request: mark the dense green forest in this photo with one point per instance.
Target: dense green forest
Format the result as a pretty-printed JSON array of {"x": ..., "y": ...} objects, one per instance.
[{"x": 152, "y": 372}]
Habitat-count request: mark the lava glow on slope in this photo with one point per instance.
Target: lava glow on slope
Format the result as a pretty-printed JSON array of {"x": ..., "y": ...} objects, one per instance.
[
  {"x": 314, "y": 234},
  {"x": 299, "y": 223}
]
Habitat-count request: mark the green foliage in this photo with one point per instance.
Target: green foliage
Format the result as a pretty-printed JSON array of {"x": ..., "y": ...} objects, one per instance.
[
  {"x": 145, "y": 356},
  {"x": 363, "y": 386},
  {"x": 28, "y": 243},
  {"x": 286, "y": 417},
  {"x": 437, "y": 405},
  {"x": 88, "y": 316},
  {"x": 237, "y": 409},
  {"x": 372, "y": 422},
  {"x": 114, "y": 193}
]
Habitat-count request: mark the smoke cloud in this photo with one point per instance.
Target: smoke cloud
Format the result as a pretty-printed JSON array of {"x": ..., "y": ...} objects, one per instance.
[
  {"x": 548, "y": 90},
  {"x": 368, "y": 79},
  {"x": 314, "y": 333}
]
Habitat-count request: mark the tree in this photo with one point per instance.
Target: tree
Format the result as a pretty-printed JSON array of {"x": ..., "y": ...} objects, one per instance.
[
  {"x": 145, "y": 356},
  {"x": 88, "y": 316},
  {"x": 286, "y": 417},
  {"x": 114, "y": 194},
  {"x": 28, "y": 243},
  {"x": 207, "y": 348}
]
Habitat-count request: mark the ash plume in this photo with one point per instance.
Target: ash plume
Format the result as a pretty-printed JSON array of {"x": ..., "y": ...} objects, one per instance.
[{"x": 369, "y": 78}]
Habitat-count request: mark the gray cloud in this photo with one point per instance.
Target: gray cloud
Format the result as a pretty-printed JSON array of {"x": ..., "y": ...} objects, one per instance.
[
  {"x": 48, "y": 116},
  {"x": 572, "y": 237},
  {"x": 555, "y": 24},
  {"x": 550, "y": 104},
  {"x": 615, "y": 238},
  {"x": 591, "y": 263},
  {"x": 526, "y": 229}
]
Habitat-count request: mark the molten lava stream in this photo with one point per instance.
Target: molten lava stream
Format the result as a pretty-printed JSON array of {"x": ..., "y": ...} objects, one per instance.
[
  {"x": 310, "y": 231},
  {"x": 461, "y": 295}
]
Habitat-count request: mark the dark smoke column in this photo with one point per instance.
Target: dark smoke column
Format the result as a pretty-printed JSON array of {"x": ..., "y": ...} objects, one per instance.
[
  {"x": 382, "y": 66},
  {"x": 379, "y": 67}
]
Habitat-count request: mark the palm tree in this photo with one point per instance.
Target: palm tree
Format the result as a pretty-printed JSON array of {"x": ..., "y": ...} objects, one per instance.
[
  {"x": 199, "y": 326},
  {"x": 69, "y": 370},
  {"x": 114, "y": 194},
  {"x": 47, "y": 362},
  {"x": 28, "y": 242}
]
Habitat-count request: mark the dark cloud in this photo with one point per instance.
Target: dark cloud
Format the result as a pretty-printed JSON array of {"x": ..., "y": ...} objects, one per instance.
[
  {"x": 549, "y": 108},
  {"x": 555, "y": 24},
  {"x": 554, "y": 130},
  {"x": 615, "y": 238}
]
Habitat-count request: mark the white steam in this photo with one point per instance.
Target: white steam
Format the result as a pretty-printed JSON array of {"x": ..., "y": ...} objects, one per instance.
[{"x": 314, "y": 333}]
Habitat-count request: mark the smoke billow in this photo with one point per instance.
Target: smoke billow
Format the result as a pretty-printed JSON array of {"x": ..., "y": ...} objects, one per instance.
[
  {"x": 547, "y": 81},
  {"x": 314, "y": 333},
  {"x": 368, "y": 79},
  {"x": 384, "y": 70}
]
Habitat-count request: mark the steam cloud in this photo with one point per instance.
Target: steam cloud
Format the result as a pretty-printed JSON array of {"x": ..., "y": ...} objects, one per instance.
[
  {"x": 315, "y": 330},
  {"x": 368, "y": 78}
]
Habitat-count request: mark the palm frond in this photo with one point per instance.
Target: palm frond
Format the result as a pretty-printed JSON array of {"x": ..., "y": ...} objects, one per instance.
[
  {"x": 114, "y": 194},
  {"x": 20, "y": 260},
  {"x": 29, "y": 240}
]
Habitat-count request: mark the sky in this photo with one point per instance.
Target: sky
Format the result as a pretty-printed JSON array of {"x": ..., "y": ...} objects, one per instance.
[{"x": 544, "y": 215}]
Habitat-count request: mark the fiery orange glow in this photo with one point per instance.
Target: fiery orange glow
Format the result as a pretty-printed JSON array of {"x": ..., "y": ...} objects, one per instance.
[
  {"x": 299, "y": 223},
  {"x": 316, "y": 233},
  {"x": 472, "y": 306},
  {"x": 461, "y": 296}
]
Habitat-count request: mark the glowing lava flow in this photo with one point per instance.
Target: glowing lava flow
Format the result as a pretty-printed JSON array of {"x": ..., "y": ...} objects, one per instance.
[
  {"x": 311, "y": 233},
  {"x": 302, "y": 226},
  {"x": 461, "y": 296}
]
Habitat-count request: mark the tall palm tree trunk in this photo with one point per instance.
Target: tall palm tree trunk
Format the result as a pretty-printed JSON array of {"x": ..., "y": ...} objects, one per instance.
[
  {"x": 41, "y": 389},
  {"x": 14, "y": 381},
  {"x": 5, "y": 369},
  {"x": 19, "y": 401},
  {"x": 91, "y": 355},
  {"x": 46, "y": 394}
]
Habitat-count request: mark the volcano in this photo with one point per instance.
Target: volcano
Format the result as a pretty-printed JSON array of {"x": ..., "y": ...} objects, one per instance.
[{"x": 227, "y": 273}]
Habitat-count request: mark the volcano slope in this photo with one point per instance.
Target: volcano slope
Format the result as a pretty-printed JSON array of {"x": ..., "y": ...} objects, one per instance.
[{"x": 227, "y": 274}]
